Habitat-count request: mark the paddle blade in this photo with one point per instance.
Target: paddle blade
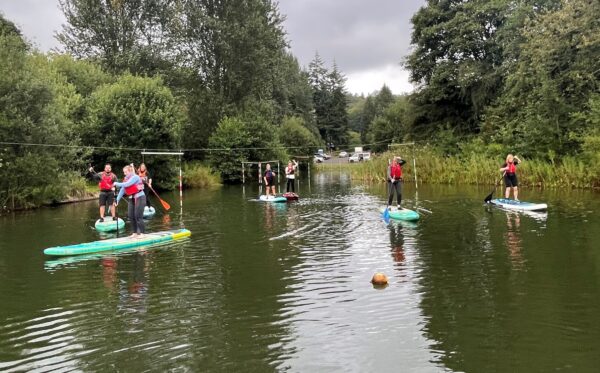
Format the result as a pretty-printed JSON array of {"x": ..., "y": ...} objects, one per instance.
[
  {"x": 165, "y": 205},
  {"x": 386, "y": 215},
  {"x": 488, "y": 198}
]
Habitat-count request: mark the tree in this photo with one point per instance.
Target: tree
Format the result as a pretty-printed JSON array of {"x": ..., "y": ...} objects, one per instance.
[
  {"x": 297, "y": 138},
  {"x": 139, "y": 113},
  {"x": 554, "y": 78},
  {"x": 238, "y": 139},
  {"x": 125, "y": 35},
  {"x": 36, "y": 104}
]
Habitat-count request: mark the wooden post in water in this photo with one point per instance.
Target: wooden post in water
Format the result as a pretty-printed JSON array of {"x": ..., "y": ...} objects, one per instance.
[
  {"x": 259, "y": 173},
  {"x": 243, "y": 174}
]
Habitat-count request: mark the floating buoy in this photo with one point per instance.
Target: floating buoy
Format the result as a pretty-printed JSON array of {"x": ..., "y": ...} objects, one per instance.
[{"x": 379, "y": 279}]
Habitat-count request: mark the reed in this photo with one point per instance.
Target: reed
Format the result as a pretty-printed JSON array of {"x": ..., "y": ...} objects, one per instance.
[{"x": 478, "y": 169}]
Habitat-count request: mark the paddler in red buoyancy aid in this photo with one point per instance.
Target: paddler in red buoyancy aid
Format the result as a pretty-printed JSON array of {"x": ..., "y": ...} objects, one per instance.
[
  {"x": 107, "y": 189},
  {"x": 133, "y": 187},
  {"x": 510, "y": 176},
  {"x": 395, "y": 180}
]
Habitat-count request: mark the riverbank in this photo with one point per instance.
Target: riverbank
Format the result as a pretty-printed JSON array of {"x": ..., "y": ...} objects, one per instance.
[
  {"x": 475, "y": 169},
  {"x": 79, "y": 189}
]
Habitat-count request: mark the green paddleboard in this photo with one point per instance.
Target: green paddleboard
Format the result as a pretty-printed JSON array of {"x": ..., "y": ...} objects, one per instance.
[
  {"x": 401, "y": 214},
  {"x": 118, "y": 243}
]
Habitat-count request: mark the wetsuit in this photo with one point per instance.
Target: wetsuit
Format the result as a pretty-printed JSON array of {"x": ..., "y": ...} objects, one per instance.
[{"x": 395, "y": 180}]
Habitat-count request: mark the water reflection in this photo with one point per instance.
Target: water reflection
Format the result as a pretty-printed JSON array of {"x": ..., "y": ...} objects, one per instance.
[{"x": 513, "y": 239}]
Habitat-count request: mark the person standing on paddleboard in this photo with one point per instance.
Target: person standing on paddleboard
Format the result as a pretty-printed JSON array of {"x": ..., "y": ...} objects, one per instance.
[
  {"x": 269, "y": 179},
  {"x": 147, "y": 180},
  {"x": 133, "y": 187},
  {"x": 395, "y": 180},
  {"x": 510, "y": 176},
  {"x": 290, "y": 172},
  {"x": 106, "y": 180}
]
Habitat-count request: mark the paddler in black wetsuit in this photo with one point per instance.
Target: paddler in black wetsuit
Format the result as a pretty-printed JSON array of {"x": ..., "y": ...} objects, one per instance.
[
  {"x": 269, "y": 179},
  {"x": 510, "y": 176}
]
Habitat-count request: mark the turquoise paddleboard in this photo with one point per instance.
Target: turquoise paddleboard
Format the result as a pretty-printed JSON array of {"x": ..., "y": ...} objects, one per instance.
[
  {"x": 109, "y": 225},
  {"x": 402, "y": 214},
  {"x": 118, "y": 243},
  {"x": 149, "y": 212},
  {"x": 265, "y": 198}
]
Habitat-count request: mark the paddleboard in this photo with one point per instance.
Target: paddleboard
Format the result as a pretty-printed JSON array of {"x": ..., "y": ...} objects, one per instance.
[
  {"x": 290, "y": 196},
  {"x": 109, "y": 225},
  {"x": 401, "y": 214},
  {"x": 265, "y": 198},
  {"x": 511, "y": 204},
  {"x": 149, "y": 212},
  {"x": 118, "y": 243}
]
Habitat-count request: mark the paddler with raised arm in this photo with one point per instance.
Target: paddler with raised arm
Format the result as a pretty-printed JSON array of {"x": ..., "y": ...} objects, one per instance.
[
  {"x": 106, "y": 180},
  {"x": 510, "y": 176},
  {"x": 132, "y": 188}
]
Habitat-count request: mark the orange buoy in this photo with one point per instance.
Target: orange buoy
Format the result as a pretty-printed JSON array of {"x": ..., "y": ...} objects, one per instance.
[{"x": 379, "y": 279}]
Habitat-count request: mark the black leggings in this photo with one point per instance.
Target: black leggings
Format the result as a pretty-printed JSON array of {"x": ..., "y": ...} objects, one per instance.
[
  {"x": 135, "y": 212},
  {"x": 290, "y": 182},
  {"x": 397, "y": 185},
  {"x": 147, "y": 198}
]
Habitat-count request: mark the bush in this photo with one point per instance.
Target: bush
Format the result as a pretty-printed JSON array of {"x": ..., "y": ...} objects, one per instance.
[{"x": 197, "y": 175}]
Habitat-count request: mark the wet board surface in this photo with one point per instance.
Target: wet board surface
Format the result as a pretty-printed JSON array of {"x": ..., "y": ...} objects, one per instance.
[{"x": 117, "y": 243}]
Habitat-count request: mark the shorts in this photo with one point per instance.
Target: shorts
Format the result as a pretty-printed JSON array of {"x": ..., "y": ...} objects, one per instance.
[
  {"x": 106, "y": 197},
  {"x": 510, "y": 180}
]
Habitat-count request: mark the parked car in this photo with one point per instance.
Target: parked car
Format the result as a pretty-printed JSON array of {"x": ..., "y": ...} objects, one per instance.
[
  {"x": 343, "y": 154},
  {"x": 318, "y": 158},
  {"x": 353, "y": 158},
  {"x": 326, "y": 156},
  {"x": 366, "y": 156}
]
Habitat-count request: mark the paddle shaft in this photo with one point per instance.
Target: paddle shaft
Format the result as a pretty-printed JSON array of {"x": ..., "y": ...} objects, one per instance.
[
  {"x": 489, "y": 196},
  {"x": 164, "y": 204}
]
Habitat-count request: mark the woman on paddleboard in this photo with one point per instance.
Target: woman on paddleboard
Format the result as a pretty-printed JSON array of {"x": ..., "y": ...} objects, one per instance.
[
  {"x": 147, "y": 180},
  {"x": 290, "y": 172},
  {"x": 510, "y": 176},
  {"x": 395, "y": 180},
  {"x": 269, "y": 179},
  {"x": 133, "y": 187},
  {"x": 106, "y": 180}
]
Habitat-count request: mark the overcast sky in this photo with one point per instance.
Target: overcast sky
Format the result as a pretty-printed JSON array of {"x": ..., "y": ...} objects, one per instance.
[{"x": 367, "y": 39}]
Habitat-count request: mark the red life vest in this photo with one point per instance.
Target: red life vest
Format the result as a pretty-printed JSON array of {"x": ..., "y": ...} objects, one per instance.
[
  {"x": 511, "y": 168},
  {"x": 106, "y": 180},
  {"x": 396, "y": 172},
  {"x": 135, "y": 188}
]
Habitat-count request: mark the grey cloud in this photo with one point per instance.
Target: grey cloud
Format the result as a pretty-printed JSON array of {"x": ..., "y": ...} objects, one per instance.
[
  {"x": 358, "y": 34},
  {"x": 37, "y": 19}
]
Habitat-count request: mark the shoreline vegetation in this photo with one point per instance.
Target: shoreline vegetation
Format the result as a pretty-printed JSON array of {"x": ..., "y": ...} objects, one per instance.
[
  {"x": 525, "y": 81},
  {"x": 476, "y": 169}
]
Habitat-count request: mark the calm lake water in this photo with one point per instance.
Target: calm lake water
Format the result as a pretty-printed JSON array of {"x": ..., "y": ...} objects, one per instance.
[{"x": 285, "y": 287}]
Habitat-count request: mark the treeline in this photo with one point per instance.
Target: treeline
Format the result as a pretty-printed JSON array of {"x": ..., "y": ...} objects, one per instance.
[
  {"x": 497, "y": 76},
  {"x": 156, "y": 74}
]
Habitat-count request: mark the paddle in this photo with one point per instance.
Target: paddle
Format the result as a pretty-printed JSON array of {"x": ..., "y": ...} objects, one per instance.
[
  {"x": 116, "y": 211},
  {"x": 164, "y": 204},
  {"x": 489, "y": 196}
]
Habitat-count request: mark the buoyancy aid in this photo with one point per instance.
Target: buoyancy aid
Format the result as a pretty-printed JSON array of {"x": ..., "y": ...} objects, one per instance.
[
  {"x": 143, "y": 175},
  {"x": 135, "y": 188},
  {"x": 106, "y": 180},
  {"x": 511, "y": 168},
  {"x": 396, "y": 172}
]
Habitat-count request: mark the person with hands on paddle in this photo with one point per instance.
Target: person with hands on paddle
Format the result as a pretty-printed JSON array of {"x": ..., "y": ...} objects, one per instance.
[
  {"x": 133, "y": 188},
  {"x": 395, "y": 180},
  {"x": 510, "y": 176},
  {"x": 106, "y": 180},
  {"x": 147, "y": 180},
  {"x": 290, "y": 172}
]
